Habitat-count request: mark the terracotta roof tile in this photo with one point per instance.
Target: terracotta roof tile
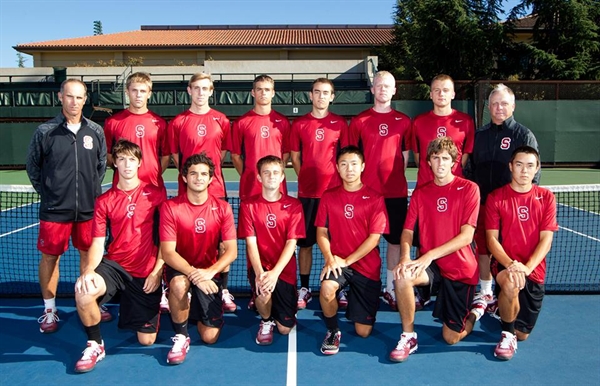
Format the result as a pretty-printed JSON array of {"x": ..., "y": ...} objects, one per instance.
[{"x": 226, "y": 36}]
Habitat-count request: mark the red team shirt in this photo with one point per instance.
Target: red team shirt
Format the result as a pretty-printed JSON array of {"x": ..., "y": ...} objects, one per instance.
[
  {"x": 149, "y": 132},
  {"x": 273, "y": 223},
  {"x": 318, "y": 140},
  {"x": 429, "y": 126},
  {"x": 131, "y": 225},
  {"x": 197, "y": 229},
  {"x": 350, "y": 217},
  {"x": 383, "y": 136},
  {"x": 255, "y": 136},
  {"x": 440, "y": 212},
  {"x": 194, "y": 133},
  {"x": 520, "y": 217}
]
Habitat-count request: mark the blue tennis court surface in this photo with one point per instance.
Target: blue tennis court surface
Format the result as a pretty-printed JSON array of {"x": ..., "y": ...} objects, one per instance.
[{"x": 564, "y": 349}]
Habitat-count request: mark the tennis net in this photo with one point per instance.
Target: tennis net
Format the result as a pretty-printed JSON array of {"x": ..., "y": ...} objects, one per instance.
[{"x": 573, "y": 264}]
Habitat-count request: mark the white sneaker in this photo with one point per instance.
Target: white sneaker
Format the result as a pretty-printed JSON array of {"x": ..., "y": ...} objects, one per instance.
[
  {"x": 164, "y": 302},
  {"x": 228, "y": 304},
  {"x": 304, "y": 297}
]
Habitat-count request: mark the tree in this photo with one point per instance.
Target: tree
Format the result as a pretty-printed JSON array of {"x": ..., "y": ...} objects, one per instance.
[
  {"x": 565, "y": 42},
  {"x": 97, "y": 27},
  {"x": 21, "y": 59},
  {"x": 461, "y": 38}
]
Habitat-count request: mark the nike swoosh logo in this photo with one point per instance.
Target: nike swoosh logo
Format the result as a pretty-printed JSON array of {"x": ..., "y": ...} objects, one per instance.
[
  {"x": 145, "y": 193},
  {"x": 215, "y": 208},
  {"x": 539, "y": 198},
  {"x": 460, "y": 188},
  {"x": 398, "y": 119},
  {"x": 365, "y": 197},
  {"x": 278, "y": 120},
  {"x": 458, "y": 120},
  {"x": 215, "y": 119},
  {"x": 333, "y": 122},
  {"x": 287, "y": 206}
]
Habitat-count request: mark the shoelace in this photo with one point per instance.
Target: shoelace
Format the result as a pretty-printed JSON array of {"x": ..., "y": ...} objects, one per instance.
[
  {"x": 266, "y": 328},
  {"x": 179, "y": 342},
  {"x": 49, "y": 317},
  {"x": 303, "y": 292},
  {"x": 506, "y": 342},
  {"x": 89, "y": 351},
  {"x": 227, "y": 297},
  {"x": 404, "y": 342}
]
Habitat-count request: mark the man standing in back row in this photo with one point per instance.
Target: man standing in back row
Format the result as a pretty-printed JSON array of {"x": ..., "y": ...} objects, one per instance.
[
  {"x": 488, "y": 167},
  {"x": 383, "y": 134},
  {"x": 66, "y": 163},
  {"x": 314, "y": 143}
]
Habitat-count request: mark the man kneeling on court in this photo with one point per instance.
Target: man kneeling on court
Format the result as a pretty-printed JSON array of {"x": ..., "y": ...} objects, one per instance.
[
  {"x": 350, "y": 220},
  {"x": 445, "y": 210},
  {"x": 523, "y": 216},
  {"x": 272, "y": 222},
  {"x": 132, "y": 266},
  {"x": 191, "y": 227}
]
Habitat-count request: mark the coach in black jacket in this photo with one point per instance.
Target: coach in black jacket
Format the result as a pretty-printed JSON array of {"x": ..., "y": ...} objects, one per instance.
[
  {"x": 66, "y": 164},
  {"x": 488, "y": 167}
]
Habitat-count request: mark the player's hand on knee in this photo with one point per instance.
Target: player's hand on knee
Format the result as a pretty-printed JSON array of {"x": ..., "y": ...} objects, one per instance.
[
  {"x": 151, "y": 283},
  {"x": 86, "y": 283},
  {"x": 208, "y": 287}
]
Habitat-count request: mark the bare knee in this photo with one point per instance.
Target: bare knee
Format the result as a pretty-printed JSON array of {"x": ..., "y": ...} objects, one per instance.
[
  {"x": 178, "y": 287},
  {"x": 209, "y": 335},
  {"x": 146, "y": 339},
  {"x": 363, "y": 330},
  {"x": 521, "y": 335},
  {"x": 284, "y": 330},
  {"x": 328, "y": 289}
]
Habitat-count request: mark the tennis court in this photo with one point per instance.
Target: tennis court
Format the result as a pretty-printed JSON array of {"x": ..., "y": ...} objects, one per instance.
[{"x": 564, "y": 349}]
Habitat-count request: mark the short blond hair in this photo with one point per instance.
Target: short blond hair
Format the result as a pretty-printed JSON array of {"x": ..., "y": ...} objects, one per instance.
[
  {"x": 200, "y": 76},
  {"x": 139, "y": 77}
]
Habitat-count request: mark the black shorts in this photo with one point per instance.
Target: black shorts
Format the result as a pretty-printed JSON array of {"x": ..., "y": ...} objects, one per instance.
[
  {"x": 454, "y": 298},
  {"x": 206, "y": 309},
  {"x": 310, "y": 206},
  {"x": 363, "y": 297},
  {"x": 396, "y": 211},
  {"x": 138, "y": 310},
  {"x": 530, "y": 300},
  {"x": 284, "y": 301}
]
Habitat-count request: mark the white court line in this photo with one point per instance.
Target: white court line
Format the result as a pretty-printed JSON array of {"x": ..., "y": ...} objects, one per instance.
[
  {"x": 579, "y": 209},
  {"x": 579, "y": 233},
  {"x": 292, "y": 358},
  {"x": 20, "y": 229}
]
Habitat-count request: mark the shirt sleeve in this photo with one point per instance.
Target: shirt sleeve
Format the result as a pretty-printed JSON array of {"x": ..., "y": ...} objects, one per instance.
[
  {"x": 245, "y": 226},
  {"x": 469, "y": 137},
  {"x": 295, "y": 136},
  {"x": 100, "y": 216},
  {"x": 379, "y": 220},
  {"x": 471, "y": 206},
  {"x": 236, "y": 138},
  {"x": 285, "y": 139},
  {"x": 549, "y": 222},
  {"x": 226, "y": 127},
  {"x": 352, "y": 134},
  {"x": 492, "y": 213},
  {"x": 164, "y": 145},
  {"x": 228, "y": 226},
  {"x": 168, "y": 225},
  {"x": 296, "y": 223},
  {"x": 413, "y": 210},
  {"x": 34, "y": 161},
  {"x": 322, "y": 212}
]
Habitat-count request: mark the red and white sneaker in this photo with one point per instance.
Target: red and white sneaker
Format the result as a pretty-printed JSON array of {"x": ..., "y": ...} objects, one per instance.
[
  {"x": 49, "y": 322},
  {"x": 304, "y": 297},
  {"x": 478, "y": 307},
  {"x": 421, "y": 303},
  {"x": 507, "y": 347},
  {"x": 251, "y": 303},
  {"x": 264, "y": 336},
  {"x": 164, "y": 302},
  {"x": 404, "y": 348},
  {"x": 181, "y": 346},
  {"x": 331, "y": 343},
  {"x": 92, "y": 354},
  {"x": 228, "y": 304},
  {"x": 390, "y": 299},
  {"x": 490, "y": 300},
  {"x": 342, "y": 300},
  {"x": 105, "y": 316}
]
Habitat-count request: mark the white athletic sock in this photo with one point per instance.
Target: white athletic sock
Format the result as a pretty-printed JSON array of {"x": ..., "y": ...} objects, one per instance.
[
  {"x": 389, "y": 283},
  {"x": 50, "y": 304},
  {"x": 409, "y": 334},
  {"x": 486, "y": 286}
]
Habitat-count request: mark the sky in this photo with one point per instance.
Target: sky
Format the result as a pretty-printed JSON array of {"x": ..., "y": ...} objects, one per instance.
[{"x": 28, "y": 21}]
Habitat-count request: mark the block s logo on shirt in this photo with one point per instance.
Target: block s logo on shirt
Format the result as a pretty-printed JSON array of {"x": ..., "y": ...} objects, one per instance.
[
  {"x": 442, "y": 204},
  {"x": 505, "y": 143},
  {"x": 201, "y": 130},
  {"x": 200, "y": 225},
  {"x": 130, "y": 210},
  {"x": 271, "y": 221},
  {"x": 349, "y": 211},
  {"x": 383, "y": 130},
  {"x": 523, "y": 213},
  {"x": 441, "y": 132},
  {"x": 264, "y": 132},
  {"x": 320, "y": 135},
  {"x": 140, "y": 131}
]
